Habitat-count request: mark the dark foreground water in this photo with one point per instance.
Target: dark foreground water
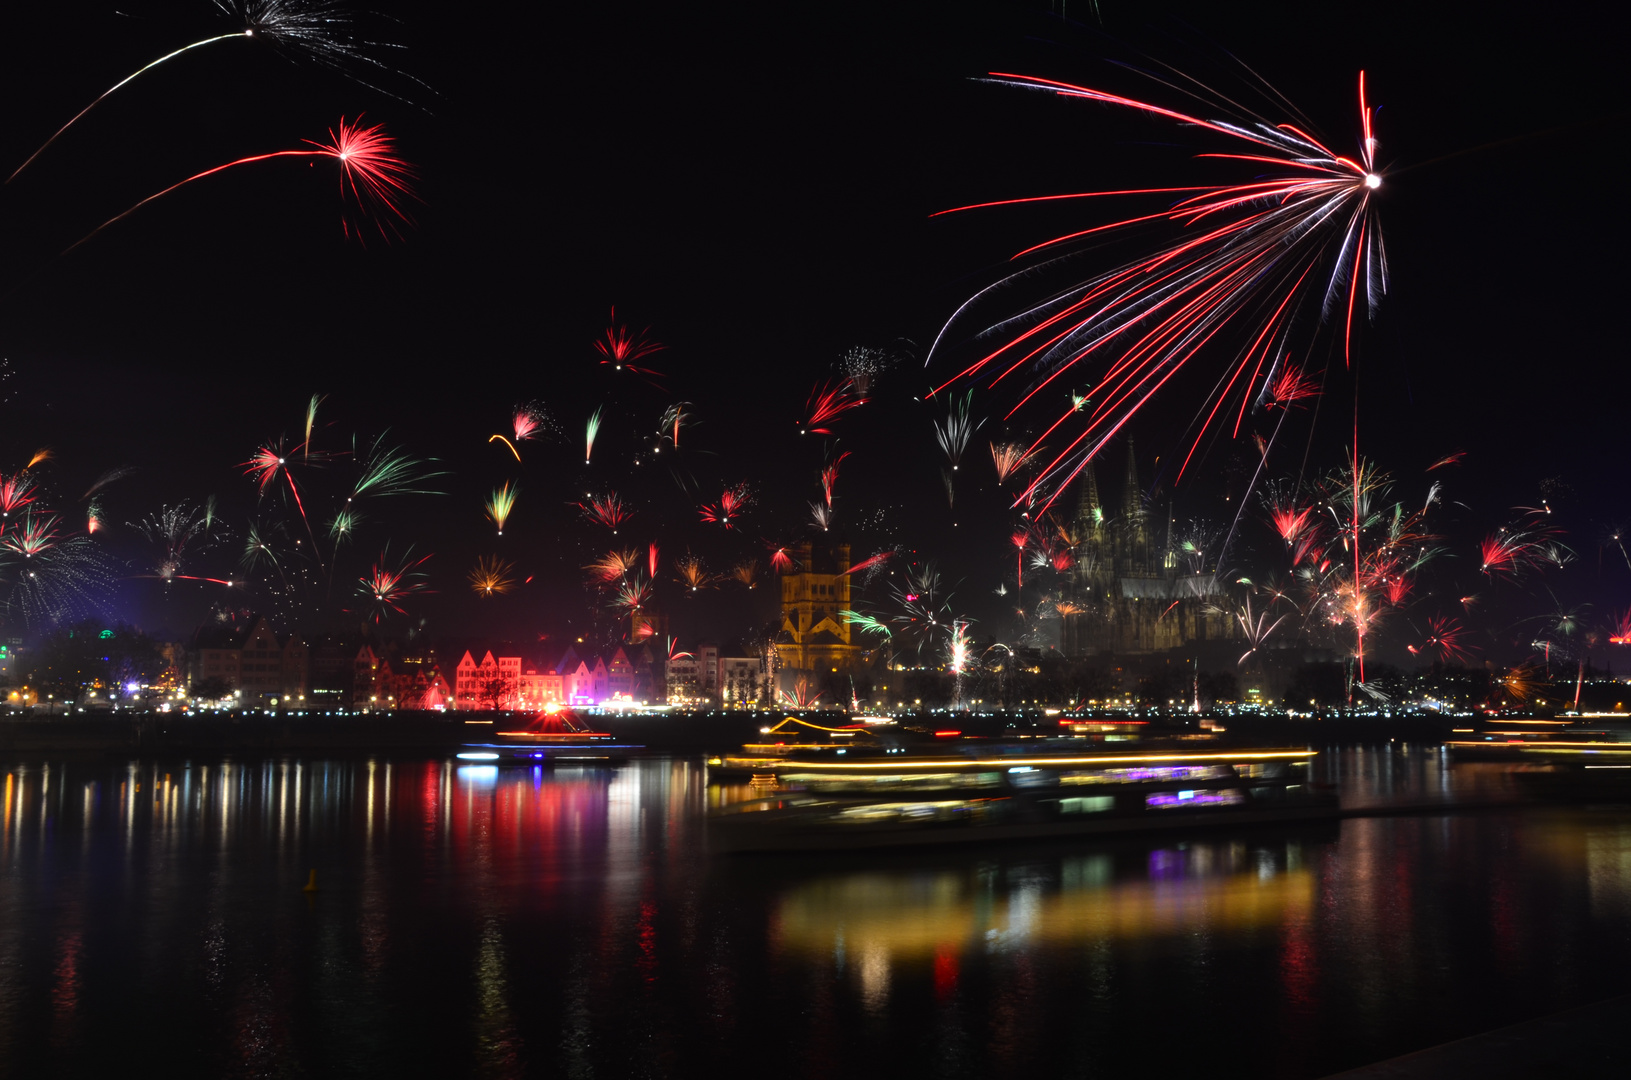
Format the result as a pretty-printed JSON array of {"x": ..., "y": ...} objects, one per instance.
[{"x": 474, "y": 921}]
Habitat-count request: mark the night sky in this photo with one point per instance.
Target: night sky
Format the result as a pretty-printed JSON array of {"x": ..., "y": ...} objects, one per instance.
[{"x": 754, "y": 183}]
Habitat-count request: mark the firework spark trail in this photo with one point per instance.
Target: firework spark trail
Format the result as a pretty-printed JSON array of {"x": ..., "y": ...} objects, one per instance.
[
  {"x": 780, "y": 561},
  {"x": 632, "y": 595},
  {"x": 1445, "y": 637},
  {"x": 122, "y": 82},
  {"x": 691, "y": 573},
  {"x": 820, "y": 515},
  {"x": 500, "y": 504},
  {"x": 607, "y": 510},
  {"x": 1261, "y": 242},
  {"x": 829, "y": 477},
  {"x": 613, "y": 565},
  {"x": 828, "y": 401},
  {"x": 675, "y": 416},
  {"x": 746, "y": 573},
  {"x": 955, "y": 431},
  {"x": 1020, "y": 539},
  {"x": 621, "y": 347},
  {"x": 732, "y": 501},
  {"x": 16, "y": 492},
  {"x": 372, "y": 175},
  {"x": 491, "y": 576},
  {"x": 386, "y": 585},
  {"x": 1008, "y": 457},
  {"x": 591, "y": 429},
  {"x": 269, "y": 463},
  {"x": 871, "y": 563}
]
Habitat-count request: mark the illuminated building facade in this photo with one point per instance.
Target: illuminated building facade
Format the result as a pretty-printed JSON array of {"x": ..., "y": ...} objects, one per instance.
[
  {"x": 1132, "y": 590},
  {"x": 815, "y": 636},
  {"x": 255, "y": 663}
]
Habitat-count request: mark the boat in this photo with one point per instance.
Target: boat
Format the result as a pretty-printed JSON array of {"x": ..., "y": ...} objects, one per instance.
[
  {"x": 844, "y": 798},
  {"x": 553, "y": 736}
]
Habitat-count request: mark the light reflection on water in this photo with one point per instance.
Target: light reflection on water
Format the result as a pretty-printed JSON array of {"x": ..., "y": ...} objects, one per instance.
[{"x": 515, "y": 921}]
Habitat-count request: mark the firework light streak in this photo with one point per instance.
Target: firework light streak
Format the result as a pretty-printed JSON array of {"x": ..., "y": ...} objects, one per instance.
[
  {"x": 691, "y": 573},
  {"x": 386, "y": 585},
  {"x": 621, "y": 347},
  {"x": 607, "y": 510},
  {"x": 955, "y": 431},
  {"x": 590, "y": 430},
  {"x": 1265, "y": 250},
  {"x": 828, "y": 401},
  {"x": 500, "y": 504},
  {"x": 491, "y": 576},
  {"x": 372, "y": 175},
  {"x": 1008, "y": 457},
  {"x": 652, "y": 557},
  {"x": 780, "y": 561},
  {"x": 613, "y": 565},
  {"x": 829, "y": 477},
  {"x": 1255, "y": 629},
  {"x": 870, "y": 564},
  {"x": 732, "y": 501}
]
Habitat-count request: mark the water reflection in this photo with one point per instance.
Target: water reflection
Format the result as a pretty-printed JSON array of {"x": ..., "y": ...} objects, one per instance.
[
  {"x": 916, "y": 915},
  {"x": 516, "y": 921}
]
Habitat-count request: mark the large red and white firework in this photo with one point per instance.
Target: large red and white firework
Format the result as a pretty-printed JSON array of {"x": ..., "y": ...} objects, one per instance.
[{"x": 1247, "y": 271}]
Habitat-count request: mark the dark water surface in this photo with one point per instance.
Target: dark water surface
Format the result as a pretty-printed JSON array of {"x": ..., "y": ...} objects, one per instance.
[{"x": 476, "y": 921}]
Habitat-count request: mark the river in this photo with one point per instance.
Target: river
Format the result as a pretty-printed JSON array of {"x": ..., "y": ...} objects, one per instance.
[{"x": 470, "y": 920}]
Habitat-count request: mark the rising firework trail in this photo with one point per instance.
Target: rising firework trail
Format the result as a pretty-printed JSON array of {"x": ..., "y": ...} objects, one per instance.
[
  {"x": 372, "y": 176},
  {"x": 1253, "y": 263},
  {"x": 590, "y": 430}
]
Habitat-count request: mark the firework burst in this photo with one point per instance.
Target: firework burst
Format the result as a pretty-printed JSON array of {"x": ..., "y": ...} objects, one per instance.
[
  {"x": 828, "y": 401},
  {"x": 500, "y": 504},
  {"x": 621, "y": 347},
  {"x": 613, "y": 566},
  {"x": 725, "y": 512},
  {"x": 691, "y": 573},
  {"x": 373, "y": 177},
  {"x": 492, "y": 576},
  {"x": 1008, "y": 457},
  {"x": 390, "y": 583},
  {"x": 606, "y": 510},
  {"x": 1253, "y": 262}
]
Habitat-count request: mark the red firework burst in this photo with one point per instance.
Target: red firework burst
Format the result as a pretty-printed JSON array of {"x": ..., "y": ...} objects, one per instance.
[
  {"x": 829, "y": 477},
  {"x": 1253, "y": 263},
  {"x": 1447, "y": 638},
  {"x": 732, "y": 501},
  {"x": 780, "y": 561},
  {"x": 1289, "y": 386},
  {"x": 622, "y": 346},
  {"x": 16, "y": 492},
  {"x": 608, "y": 510},
  {"x": 828, "y": 401},
  {"x": 372, "y": 176},
  {"x": 386, "y": 586}
]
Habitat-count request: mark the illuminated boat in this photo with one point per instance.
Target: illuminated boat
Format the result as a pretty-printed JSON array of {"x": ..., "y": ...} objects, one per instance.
[
  {"x": 840, "y": 799},
  {"x": 551, "y": 736}
]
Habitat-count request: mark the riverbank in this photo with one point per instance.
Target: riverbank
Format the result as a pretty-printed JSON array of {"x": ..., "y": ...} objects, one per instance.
[{"x": 699, "y": 732}]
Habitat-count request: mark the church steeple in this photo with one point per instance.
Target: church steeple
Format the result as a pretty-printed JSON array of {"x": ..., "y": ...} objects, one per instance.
[
  {"x": 1089, "y": 509},
  {"x": 1132, "y": 510}
]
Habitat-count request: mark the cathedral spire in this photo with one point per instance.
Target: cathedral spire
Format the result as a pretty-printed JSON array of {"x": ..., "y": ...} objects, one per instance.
[{"x": 1089, "y": 509}]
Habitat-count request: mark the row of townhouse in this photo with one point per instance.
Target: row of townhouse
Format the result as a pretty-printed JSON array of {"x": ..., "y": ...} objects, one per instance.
[{"x": 246, "y": 659}]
